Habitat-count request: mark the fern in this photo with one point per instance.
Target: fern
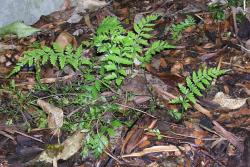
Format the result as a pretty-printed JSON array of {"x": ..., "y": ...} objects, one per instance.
[
  {"x": 55, "y": 55},
  {"x": 142, "y": 29},
  {"x": 197, "y": 83},
  {"x": 178, "y": 28},
  {"x": 157, "y": 46},
  {"x": 121, "y": 49}
]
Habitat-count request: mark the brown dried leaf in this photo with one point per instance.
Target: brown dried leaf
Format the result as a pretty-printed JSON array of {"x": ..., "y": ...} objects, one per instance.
[
  {"x": 155, "y": 149},
  {"x": 228, "y": 102},
  {"x": 55, "y": 114},
  {"x": 69, "y": 147},
  {"x": 65, "y": 39}
]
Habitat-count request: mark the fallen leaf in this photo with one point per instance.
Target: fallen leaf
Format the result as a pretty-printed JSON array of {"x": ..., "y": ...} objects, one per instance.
[
  {"x": 19, "y": 29},
  {"x": 55, "y": 114},
  {"x": 7, "y": 47},
  {"x": 155, "y": 149},
  {"x": 82, "y": 6},
  {"x": 137, "y": 85},
  {"x": 141, "y": 99},
  {"x": 69, "y": 147},
  {"x": 228, "y": 102},
  {"x": 64, "y": 39}
]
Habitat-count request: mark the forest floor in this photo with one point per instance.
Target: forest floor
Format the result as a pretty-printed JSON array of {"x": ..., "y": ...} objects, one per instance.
[{"x": 52, "y": 116}]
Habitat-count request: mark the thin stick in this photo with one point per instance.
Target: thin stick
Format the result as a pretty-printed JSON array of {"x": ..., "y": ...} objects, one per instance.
[
  {"x": 136, "y": 110},
  {"x": 28, "y": 136}
]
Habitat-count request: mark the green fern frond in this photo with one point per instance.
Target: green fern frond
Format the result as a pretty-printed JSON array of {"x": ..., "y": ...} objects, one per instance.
[
  {"x": 178, "y": 28},
  {"x": 122, "y": 49},
  {"x": 156, "y": 47},
  {"x": 195, "y": 85},
  {"x": 142, "y": 29},
  {"x": 109, "y": 25},
  {"x": 144, "y": 25},
  {"x": 55, "y": 55}
]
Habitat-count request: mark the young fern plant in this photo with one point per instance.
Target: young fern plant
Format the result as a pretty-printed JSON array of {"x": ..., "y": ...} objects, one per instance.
[
  {"x": 55, "y": 55},
  {"x": 177, "y": 29},
  {"x": 121, "y": 49},
  {"x": 195, "y": 84}
]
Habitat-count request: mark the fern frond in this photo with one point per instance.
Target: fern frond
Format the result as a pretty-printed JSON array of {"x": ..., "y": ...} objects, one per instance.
[
  {"x": 156, "y": 47},
  {"x": 109, "y": 25},
  {"x": 195, "y": 84},
  {"x": 178, "y": 28},
  {"x": 122, "y": 49},
  {"x": 144, "y": 25},
  {"x": 55, "y": 55},
  {"x": 142, "y": 29}
]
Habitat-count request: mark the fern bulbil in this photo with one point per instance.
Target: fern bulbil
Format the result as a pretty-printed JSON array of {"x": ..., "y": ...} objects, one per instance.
[
  {"x": 55, "y": 55},
  {"x": 122, "y": 49},
  {"x": 195, "y": 84}
]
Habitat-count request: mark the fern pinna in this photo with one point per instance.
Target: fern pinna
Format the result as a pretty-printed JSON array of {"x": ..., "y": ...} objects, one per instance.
[
  {"x": 122, "y": 48},
  {"x": 55, "y": 55},
  {"x": 195, "y": 84}
]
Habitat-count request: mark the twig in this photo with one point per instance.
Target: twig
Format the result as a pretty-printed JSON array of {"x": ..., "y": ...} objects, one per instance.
[
  {"x": 10, "y": 130},
  {"x": 112, "y": 90},
  {"x": 6, "y": 135},
  {"x": 74, "y": 111},
  {"x": 196, "y": 105},
  {"x": 21, "y": 133},
  {"x": 45, "y": 81},
  {"x": 234, "y": 19},
  {"x": 136, "y": 110}
]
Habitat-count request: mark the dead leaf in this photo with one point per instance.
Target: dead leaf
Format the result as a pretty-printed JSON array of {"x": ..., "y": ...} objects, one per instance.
[
  {"x": 64, "y": 39},
  {"x": 208, "y": 46},
  {"x": 7, "y": 47},
  {"x": 141, "y": 99},
  {"x": 82, "y": 6},
  {"x": 228, "y": 102},
  {"x": 70, "y": 146},
  {"x": 137, "y": 85},
  {"x": 155, "y": 149},
  {"x": 136, "y": 135},
  {"x": 55, "y": 114}
]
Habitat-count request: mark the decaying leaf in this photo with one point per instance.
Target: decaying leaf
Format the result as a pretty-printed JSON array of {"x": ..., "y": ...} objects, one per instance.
[
  {"x": 19, "y": 29},
  {"x": 68, "y": 148},
  {"x": 55, "y": 114},
  {"x": 228, "y": 102},
  {"x": 64, "y": 39},
  {"x": 155, "y": 149},
  {"x": 82, "y": 6},
  {"x": 91, "y": 5},
  {"x": 7, "y": 47}
]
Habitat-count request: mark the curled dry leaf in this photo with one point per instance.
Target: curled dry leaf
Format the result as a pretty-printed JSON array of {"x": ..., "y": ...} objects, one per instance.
[
  {"x": 228, "y": 102},
  {"x": 55, "y": 114},
  {"x": 69, "y": 147}
]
